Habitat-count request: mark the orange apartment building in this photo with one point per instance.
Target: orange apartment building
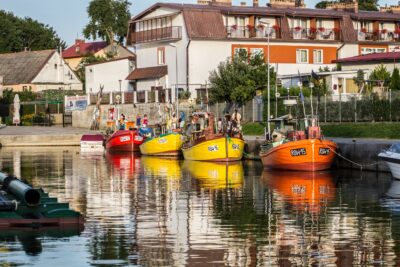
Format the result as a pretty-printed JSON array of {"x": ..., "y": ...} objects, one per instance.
[{"x": 192, "y": 39}]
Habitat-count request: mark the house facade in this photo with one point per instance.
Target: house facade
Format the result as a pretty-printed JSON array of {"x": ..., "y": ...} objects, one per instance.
[
  {"x": 37, "y": 71},
  {"x": 74, "y": 54},
  {"x": 191, "y": 40},
  {"x": 111, "y": 75}
]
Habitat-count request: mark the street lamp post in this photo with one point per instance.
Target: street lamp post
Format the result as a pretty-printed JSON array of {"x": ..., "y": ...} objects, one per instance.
[
  {"x": 176, "y": 76},
  {"x": 120, "y": 91},
  {"x": 268, "y": 31}
]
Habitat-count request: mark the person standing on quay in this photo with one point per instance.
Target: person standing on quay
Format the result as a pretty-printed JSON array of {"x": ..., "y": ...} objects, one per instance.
[{"x": 138, "y": 120}]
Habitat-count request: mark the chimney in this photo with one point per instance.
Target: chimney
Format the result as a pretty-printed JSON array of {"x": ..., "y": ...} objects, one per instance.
[
  {"x": 243, "y": 3},
  {"x": 221, "y": 2},
  {"x": 255, "y": 3}
]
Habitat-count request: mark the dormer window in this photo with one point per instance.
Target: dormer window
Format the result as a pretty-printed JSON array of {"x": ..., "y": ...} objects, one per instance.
[{"x": 77, "y": 49}]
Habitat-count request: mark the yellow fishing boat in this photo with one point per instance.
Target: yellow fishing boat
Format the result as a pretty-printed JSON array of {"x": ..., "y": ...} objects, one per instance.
[
  {"x": 163, "y": 145},
  {"x": 207, "y": 145},
  {"x": 216, "y": 175},
  {"x": 219, "y": 148}
]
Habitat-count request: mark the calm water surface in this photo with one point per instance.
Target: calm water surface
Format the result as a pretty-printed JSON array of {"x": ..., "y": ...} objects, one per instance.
[{"x": 144, "y": 211}]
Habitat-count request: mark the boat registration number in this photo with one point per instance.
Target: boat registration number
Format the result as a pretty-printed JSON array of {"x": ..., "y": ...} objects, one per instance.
[
  {"x": 213, "y": 148},
  {"x": 162, "y": 141},
  {"x": 235, "y": 146},
  {"x": 324, "y": 151},
  {"x": 298, "y": 152},
  {"x": 124, "y": 138}
]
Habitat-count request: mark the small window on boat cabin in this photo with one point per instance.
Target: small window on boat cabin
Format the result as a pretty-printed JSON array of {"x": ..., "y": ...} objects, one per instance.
[
  {"x": 302, "y": 56},
  {"x": 395, "y": 148}
]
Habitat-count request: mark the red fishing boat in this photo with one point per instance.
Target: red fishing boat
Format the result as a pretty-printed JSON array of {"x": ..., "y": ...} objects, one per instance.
[{"x": 124, "y": 141}]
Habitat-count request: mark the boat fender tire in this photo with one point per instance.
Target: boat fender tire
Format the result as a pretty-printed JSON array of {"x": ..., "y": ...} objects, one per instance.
[{"x": 7, "y": 181}]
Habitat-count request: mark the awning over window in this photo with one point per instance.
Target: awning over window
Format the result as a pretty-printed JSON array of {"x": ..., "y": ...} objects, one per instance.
[{"x": 148, "y": 73}]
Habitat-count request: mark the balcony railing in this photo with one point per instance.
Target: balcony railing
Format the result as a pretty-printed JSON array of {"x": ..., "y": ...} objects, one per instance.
[
  {"x": 246, "y": 32},
  {"x": 299, "y": 33},
  {"x": 383, "y": 36},
  {"x": 166, "y": 33}
]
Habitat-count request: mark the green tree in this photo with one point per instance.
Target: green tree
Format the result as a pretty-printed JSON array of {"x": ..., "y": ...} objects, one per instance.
[
  {"x": 395, "y": 80},
  {"x": 236, "y": 80},
  {"x": 108, "y": 20},
  {"x": 380, "y": 74},
  {"x": 368, "y": 5},
  {"x": 322, "y": 4},
  {"x": 17, "y": 34},
  {"x": 89, "y": 59},
  {"x": 359, "y": 79}
]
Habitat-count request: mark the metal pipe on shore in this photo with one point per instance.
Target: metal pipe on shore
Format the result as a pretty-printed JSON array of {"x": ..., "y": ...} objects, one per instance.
[{"x": 20, "y": 190}]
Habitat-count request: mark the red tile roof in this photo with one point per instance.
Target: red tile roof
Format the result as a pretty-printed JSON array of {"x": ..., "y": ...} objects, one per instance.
[
  {"x": 388, "y": 56},
  {"x": 148, "y": 73},
  {"x": 84, "y": 49}
]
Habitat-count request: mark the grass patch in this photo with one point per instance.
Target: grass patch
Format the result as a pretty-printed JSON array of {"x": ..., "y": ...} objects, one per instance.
[
  {"x": 253, "y": 128},
  {"x": 362, "y": 130}
]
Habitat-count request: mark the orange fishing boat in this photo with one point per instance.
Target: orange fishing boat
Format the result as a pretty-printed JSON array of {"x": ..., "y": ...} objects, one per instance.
[
  {"x": 297, "y": 145},
  {"x": 301, "y": 155},
  {"x": 303, "y": 190}
]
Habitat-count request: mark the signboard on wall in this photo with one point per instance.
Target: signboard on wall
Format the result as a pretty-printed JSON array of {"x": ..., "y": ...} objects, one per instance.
[{"x": 78, "y": 102}]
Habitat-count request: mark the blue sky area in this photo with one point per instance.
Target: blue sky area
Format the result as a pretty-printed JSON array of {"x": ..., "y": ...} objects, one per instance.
[{"x": 69, "y": 17}]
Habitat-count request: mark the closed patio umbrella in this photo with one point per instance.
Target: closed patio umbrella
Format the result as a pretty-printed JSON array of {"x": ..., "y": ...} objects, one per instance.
[{"x": 16, "y": 117}]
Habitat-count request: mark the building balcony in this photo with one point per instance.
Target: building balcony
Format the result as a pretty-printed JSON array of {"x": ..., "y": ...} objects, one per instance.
[
  {"x": 247, "y": 32},
  {"x": 382, "y": 36},
  {"x": 159, "y": 34},
  {"x": 321, "y": 34}
]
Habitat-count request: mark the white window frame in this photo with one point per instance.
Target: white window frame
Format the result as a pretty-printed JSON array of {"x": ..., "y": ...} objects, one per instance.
[
  {"x": 237, "y": 49},
  {"x": 256, "y": 51},
  {"x": 315, "y": 56},
  {"x": 298, "y": 56},
  {"x": 161, "y": 56}
]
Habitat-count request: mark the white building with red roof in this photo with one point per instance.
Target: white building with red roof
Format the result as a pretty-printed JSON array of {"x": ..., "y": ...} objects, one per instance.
[{"x": 74, "y": 54}]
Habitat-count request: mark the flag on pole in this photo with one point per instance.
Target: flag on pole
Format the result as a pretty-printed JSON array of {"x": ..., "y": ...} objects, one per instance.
[
  {"x": 301, "y": 95},
  {"x": 314, "y": 75}
]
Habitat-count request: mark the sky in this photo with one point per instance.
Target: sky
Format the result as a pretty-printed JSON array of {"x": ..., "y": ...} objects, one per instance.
[{"x": 68, "y": 18}]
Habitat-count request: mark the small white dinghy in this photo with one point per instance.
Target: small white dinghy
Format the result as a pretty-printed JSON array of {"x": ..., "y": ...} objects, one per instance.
[
  {"x": 392, "y": 158},
  {"x": 92, "y": 143}
]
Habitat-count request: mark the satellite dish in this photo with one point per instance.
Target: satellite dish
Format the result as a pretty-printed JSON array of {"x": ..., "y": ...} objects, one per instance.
[{"x": 299, "y": 84}]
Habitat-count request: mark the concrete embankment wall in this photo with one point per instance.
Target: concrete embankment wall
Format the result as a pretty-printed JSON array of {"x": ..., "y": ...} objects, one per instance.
[{"x": 361, "y": 151}]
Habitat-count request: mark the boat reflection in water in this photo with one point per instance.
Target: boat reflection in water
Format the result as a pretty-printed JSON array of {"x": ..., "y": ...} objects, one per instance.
[
  {"x": 391, "y": 200},
  {"x": 216, "y": 175},
  {"x": 306, "y": 191},
  {"x": 161, "y": 167},
  {"x": 123, "y": 163},
  {"x": 31, "y": 239}
]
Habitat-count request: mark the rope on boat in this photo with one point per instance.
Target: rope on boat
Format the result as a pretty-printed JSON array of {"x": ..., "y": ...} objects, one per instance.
[{"x": 355, "y": 163}]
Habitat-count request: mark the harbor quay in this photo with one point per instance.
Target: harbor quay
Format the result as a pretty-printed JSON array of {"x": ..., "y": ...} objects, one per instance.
[{"x": 356, "y": 153}]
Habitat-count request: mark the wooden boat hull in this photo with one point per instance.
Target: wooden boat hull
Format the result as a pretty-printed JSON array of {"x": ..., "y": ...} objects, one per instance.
[
  {"x": 216, "y": 175},
  {"x": 124, "y": 141},
  {"x": 164, "y": 145},
  {"x": 221, "y": 149},
  {"x": 302, "y": 155}
]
